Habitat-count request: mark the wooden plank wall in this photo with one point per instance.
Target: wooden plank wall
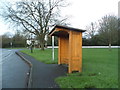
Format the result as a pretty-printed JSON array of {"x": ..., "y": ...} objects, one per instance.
[
  {"x": 63, "y": 50},
  {"x": 75, "y": 51},
  {"x": 70, "y": 50}
]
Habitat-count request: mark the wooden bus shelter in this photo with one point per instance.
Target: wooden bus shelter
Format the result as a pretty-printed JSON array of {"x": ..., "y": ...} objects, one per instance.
[{"x": 70, "y": 46}]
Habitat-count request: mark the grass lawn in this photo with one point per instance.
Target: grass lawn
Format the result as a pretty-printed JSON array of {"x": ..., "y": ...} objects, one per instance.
[
  {"x": 43, "y": 56},
  {"x": 100, "y": 68},
  {"x": 16, "y": 48}
]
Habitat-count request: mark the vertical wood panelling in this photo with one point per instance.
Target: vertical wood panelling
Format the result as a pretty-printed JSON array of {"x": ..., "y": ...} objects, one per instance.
[
  {"x": 64, "y": 50},
  {"x": 70, "y": 52},
  {"x": 76, "y": 53},
  {"x": 80, "y": 52},
  {"x": 70, "y": 49},
  {"x": 59, "y": 51}
]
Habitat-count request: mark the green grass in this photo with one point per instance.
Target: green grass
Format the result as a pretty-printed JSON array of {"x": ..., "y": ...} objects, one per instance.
[
  {"x": 16, "y": 48},
  {"x": 100, "y": 68},
  {"x": 43, "y": 56}
]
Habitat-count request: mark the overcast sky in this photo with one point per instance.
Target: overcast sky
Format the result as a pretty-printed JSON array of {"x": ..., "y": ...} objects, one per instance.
[{"x": 81, "y": 12}]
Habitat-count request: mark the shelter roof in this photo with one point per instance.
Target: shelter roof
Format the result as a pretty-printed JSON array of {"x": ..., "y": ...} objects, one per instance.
[{"x": 67, "y": 28}]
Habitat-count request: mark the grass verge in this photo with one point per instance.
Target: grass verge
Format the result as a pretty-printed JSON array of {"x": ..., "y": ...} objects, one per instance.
[{"x": 43, "y": 56}]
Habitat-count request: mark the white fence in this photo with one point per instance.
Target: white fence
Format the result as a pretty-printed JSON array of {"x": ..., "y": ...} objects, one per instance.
[
  {"x": 91, "y": 47},
  {"x": 100, "y": 46}
]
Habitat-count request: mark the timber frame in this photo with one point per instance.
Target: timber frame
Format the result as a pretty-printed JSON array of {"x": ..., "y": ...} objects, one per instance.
[{"x": 70, "y": 46}]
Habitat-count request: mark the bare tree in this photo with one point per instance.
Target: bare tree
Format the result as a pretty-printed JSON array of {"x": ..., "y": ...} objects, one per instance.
[
  {"x": 108, "y": 29},
  {"x": 36, "y": 16},
  {"x": 91, "y": 29}
]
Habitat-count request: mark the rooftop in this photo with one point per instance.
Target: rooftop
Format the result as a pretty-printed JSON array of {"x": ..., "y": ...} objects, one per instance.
[{"x": 68, "y": 28}]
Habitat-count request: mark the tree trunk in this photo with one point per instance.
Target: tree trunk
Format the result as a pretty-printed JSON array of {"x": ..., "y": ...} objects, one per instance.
[
  {"x": 42, "y": 46},
  {"x": 42, "y": 41}
]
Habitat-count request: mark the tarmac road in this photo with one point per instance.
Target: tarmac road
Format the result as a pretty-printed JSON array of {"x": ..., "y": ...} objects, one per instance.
[{"x": 14, "y": 70}]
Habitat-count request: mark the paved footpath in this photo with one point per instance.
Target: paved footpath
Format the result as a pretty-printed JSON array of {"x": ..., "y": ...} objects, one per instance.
[{"x": 43, "y": 75}]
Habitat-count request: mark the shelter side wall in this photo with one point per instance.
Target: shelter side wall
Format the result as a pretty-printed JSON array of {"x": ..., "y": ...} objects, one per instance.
[
  {"x": 64, "y": 49},
  {"x": 75, "y": 59}
]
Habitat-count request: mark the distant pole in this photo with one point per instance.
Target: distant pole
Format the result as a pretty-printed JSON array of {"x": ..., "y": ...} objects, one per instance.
[
  {"x": 53, "y": 48},
  {"x": 31, "y": 48},
  {"x": 11, "y": 44},
  {"x": 31, "y": 44}
]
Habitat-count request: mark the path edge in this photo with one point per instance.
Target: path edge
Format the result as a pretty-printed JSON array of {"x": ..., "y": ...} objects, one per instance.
[{"x": 29, "y": 83}]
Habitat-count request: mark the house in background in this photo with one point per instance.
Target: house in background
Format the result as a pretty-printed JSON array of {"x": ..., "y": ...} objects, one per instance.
[{"x": 35, "y": 43}]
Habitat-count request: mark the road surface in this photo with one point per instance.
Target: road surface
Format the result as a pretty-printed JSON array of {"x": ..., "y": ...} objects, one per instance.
[{"x": 14, "y": 70}]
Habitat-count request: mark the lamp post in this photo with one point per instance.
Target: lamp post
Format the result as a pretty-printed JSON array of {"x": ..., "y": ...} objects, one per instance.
[{"x": 53, "y": 48}]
